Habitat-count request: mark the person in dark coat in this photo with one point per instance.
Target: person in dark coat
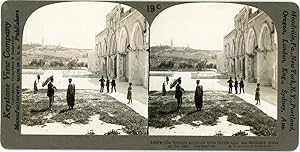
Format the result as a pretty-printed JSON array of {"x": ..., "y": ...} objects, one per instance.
[
  {"x": 50, "y": 92},
  {"x": 164, "y": 91},
  {"x": 102, "y": 84},
  {"x": 113, "y": 85},
  {"x": 230, "y": 85},
  {"x": 129, "y": 93},
  {"x": 167, "y": 79},
  {"x": 71, "y": 94},
  {"x": 199, "y": 96},
  {"x": 257, "y": 94},
  {"x": 35, "y": 89},
  {"x": 178, "y": 94},
  {"x": 236, "y": 85},
  {"x": 38, "y": 77},
  {"x": 242, "y": 86},
  {"x": 107, "y": 85}
]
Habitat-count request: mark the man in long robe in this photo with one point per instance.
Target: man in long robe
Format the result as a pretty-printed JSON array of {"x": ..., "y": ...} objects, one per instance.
[
  {"x": 199, "y": 96},
  {"x": 71, "y": 94},
  {"x": 50, "y": 91}
]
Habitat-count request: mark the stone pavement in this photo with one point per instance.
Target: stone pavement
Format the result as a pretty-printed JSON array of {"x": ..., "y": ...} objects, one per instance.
[{"x": 268, "y": 95}]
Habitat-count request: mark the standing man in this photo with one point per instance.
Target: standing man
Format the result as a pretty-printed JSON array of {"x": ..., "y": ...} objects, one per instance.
[
  {"x": 102, "y": 84},
  {"x": 230, "y": 84},
  {"x": 107, "y": 84},
  {"x": 113, "y": 85},
  {"x": 199, "y": 96},
  {"x": 35, "y": 88},
  {"x": 50, "y": 91},
  {"x": 242, "y": 86},
  {"x": 178, "y": 94},
  {"x": 167, "y": 79},
  {"x": 164, "y": 91},
  {"x": 71, "y": 94},
  {"x": 236, "y": 85}
]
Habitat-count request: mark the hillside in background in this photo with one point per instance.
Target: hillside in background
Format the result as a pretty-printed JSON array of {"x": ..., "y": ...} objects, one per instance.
[
  {"x": 36, "y": 55},
  {"x": 181, "y": 58}
]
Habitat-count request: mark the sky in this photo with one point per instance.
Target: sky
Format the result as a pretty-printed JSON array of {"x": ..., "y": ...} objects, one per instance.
[
  {"x": 201, "y": 26},
  {"x": 71, "y": 24},
  {"x": 75, "y": 24}
]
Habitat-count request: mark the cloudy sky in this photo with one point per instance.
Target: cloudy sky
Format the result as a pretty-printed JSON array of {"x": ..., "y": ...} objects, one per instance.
[
  {"x": 72, "y": 24},
  {"x": 201, "y": 26}
]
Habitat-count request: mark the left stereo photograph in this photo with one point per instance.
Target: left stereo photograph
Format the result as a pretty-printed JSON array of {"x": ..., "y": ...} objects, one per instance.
[{"x": 85, "y": 70}]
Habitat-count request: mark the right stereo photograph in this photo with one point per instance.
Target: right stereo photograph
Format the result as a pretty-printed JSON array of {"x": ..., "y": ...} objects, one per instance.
[{"x": 213, "y": 71}]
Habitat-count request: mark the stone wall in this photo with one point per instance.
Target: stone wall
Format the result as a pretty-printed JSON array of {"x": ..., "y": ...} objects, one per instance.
[
  {"x": 250, "y": 50},
  {"x": 122, "y": 47}
]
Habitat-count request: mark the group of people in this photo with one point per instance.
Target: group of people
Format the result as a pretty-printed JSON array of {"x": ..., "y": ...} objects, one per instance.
[
  {"x": 70, "y": 93},
  {"x": 198, "y": 95},
  {"x": 113, "y": 87},
  {"x": 71, "y": 90},
  {"x": 51, "y": 89},
  {"x": 108, "y": 83},
  {"x": 236, "y": 84},
  {"x": 240, "y": 84}
]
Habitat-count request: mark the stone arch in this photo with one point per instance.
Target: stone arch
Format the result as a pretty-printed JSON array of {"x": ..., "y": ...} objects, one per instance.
[
  {"x": 99, "y": 49},
  {"x": 251, "y": 59},
  {"x": 241, "y": 60},
  {"x": 104, "y": 59},
  {"x": 232, "y": 49},
  {"x": 228, "y": 57},
  {"x": 265, "y": 38},
  {"x": 112, "y": 59},
  {"x": 266, "y": 56},
  {"x": 251, "y": 41},
  {"x": 138, "y": 56},
  {"x": 104, "y": 47},
  {"x": 112, "y": 44},
  {"x": 241, "y": 45},
  {"x": 137, "y": 38},
  {"x": 233, "y": 58},
  {"x": 124, "y": 56},
  {"x": 123, "y": 40}
]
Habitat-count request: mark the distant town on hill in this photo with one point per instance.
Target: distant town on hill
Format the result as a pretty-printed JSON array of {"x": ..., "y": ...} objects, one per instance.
[
  {"x": 165, "y": 57},
  {"x": 53, "y": 56}
]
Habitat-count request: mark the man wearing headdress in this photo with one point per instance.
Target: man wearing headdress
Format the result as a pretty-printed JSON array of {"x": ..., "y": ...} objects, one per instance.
[
  {"x": 199, "y": 96},
  {"x": 71, "y": 94}
]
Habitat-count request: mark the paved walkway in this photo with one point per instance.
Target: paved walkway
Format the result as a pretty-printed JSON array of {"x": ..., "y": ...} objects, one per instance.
[{"x": 268, "y": 95}]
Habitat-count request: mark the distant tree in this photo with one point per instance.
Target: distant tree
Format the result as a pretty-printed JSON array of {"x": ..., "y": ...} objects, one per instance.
[
  {"x": 37, "y": 62},
  {"x": 56, "y": 64},
  {"x": 201, "y": 64},
  {"x": 81, "y": 64},
  {"x": 215, "y": 66},
  {"x": 210, "y": 66},
  {"x": 185, "y": 64},
  {"x": 166, "y": 64},
  {"x": 72, "y": 63}
]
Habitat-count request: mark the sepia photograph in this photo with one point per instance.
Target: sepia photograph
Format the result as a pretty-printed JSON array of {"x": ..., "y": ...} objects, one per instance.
[
  {"x": 85, "y": 70},
  {"x": 213, "y": 71}
]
